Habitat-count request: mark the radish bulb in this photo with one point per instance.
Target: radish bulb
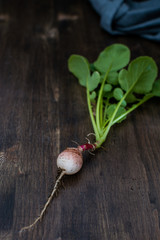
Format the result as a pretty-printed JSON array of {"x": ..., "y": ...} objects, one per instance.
[{"x": 70, "y": 161}]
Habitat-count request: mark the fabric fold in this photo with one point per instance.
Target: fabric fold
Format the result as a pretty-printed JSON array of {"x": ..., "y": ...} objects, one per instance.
[{"x": 130, "y": 17}]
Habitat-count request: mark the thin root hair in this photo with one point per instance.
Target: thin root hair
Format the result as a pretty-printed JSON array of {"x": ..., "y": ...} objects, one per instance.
[
  {"x": 89, "y": 134},
  {"x": 75, "y": 142},
  {"x": 53, "y": 193},
  {"x": 91, "y": 152},
  {"x": 88, "y": 140}
]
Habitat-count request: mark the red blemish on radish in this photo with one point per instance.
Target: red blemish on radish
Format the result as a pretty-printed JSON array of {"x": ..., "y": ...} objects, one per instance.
[{"x": 87, "y": 146}]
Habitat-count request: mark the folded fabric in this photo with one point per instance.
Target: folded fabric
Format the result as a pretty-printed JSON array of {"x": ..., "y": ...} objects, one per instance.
[{"x": 130, "y": 17}]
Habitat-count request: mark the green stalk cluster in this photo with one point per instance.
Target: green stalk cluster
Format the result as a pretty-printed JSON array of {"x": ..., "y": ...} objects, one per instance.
[{"x": 114, "y": 85}]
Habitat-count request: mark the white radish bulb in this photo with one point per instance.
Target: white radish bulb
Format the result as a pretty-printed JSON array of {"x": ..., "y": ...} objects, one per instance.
[{"x": 70, "y": 161}]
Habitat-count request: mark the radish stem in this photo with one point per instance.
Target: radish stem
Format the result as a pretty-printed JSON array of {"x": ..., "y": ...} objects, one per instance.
[{"x": 91, "y": 114}]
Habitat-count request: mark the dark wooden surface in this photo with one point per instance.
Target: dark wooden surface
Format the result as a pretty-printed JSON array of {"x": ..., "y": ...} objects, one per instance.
[{"x": 116, "y": 196}]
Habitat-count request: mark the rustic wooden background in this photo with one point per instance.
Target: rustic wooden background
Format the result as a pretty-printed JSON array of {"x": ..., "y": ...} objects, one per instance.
[{"x": 116, "y": 196}]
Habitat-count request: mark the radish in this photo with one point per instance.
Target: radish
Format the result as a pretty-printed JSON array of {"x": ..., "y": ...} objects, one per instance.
[
  {"x": 69, "y": 162},
  {"x": 112, "y": 92}
]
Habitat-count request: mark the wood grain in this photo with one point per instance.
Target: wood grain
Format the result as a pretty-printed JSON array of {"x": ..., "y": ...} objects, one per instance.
[{"x": 116, "y": 196}]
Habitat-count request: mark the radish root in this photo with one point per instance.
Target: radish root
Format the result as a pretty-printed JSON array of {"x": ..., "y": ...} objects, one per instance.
[{"x": 46, "y": 205}]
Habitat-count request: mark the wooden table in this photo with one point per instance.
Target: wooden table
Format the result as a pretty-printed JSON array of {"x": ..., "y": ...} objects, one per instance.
[{"x": 116, "y": 196}]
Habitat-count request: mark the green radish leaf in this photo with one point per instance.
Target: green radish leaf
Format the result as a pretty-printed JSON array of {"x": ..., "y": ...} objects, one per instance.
[
  {"x": 118, "y": 93},
  {"x": 108, "y": 95},
  {"x": 131, "y": 98},
  {"x": 140, "y": 76},
  {"x": 120, "y": 112},
  {"x": 92, "y": 68},
  {"x": 92, "y": 96},
  {"x": 124, "y": 103},
  {"x": 107, "y": 87},
  {"x": 112, "y": 78},
  {"x": 123, "y": 79},
  {"x": 93, "y": 81},
  {"x": 109, "y": 111},
  {"x": 79, "y": 66},
  {"x": 113, "y": 57},
  {"x": 156, "y": 88}
]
